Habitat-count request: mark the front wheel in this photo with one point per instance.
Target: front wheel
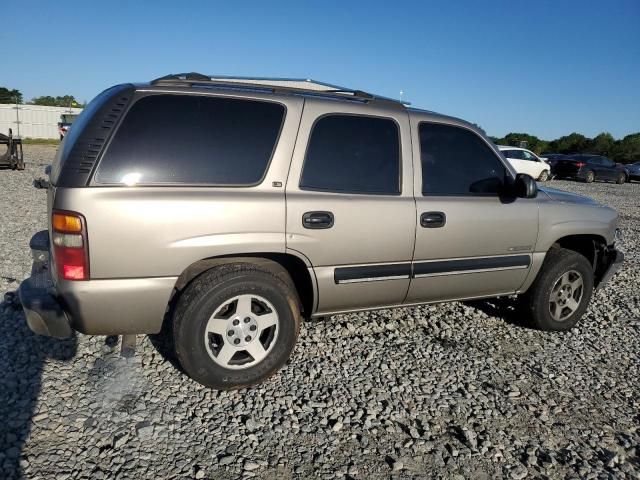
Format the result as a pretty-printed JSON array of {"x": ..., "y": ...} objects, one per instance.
[
  {"x": 561, "y": 292},
  {"x": 236, "y": 325},
  {"x": 544, "y": 176},
  {"x": 621, "y": 179}
]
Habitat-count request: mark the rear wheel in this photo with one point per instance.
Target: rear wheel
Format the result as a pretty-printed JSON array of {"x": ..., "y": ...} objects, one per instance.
[
  {"x": 544, "y": 176},
  {"x": 622, "y": 178},
  {"x": 561, "y": 292},
  {"x": 236, "y": 325},
  {"x": 590, "y": 177}
]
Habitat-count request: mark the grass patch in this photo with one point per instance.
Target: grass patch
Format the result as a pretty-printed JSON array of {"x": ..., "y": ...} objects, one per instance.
[{"x": 41, "y": 141}]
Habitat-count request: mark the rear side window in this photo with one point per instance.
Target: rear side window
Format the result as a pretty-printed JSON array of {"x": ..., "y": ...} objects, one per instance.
[
  {"x": 180, "y": 139},
  {"x": 456, "y": 161},
  {"x": 353, "y": 154}
]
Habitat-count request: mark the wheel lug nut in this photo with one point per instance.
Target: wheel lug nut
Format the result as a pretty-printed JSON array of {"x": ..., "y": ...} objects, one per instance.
[
  {"x": 236, "y": 322},
  {"x": 236, "y": 341},
  {"x": 247, "y": 339},
  {"x": 247, "y": 320},
  {"x": 230, "y": 333},
  {"x": 253, "y": 328}
]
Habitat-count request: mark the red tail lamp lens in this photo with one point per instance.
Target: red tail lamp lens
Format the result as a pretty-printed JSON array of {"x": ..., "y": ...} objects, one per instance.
[{"x": 70, "y": 249}]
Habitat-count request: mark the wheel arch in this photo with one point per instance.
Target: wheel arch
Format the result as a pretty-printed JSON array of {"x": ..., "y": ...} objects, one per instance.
[
  {"x": 590, "y": 245},
  {"x": 584, "y": 244},
  {"x": 292, "y": 268}
]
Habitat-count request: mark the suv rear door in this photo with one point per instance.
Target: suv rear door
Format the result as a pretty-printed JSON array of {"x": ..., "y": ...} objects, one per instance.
[
  {"x": 469, "y": 241},
  {"x": 350, "y": 206}
]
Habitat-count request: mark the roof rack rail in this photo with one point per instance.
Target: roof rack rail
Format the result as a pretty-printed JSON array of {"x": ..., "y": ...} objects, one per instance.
[{"x": 274, "y": 85}]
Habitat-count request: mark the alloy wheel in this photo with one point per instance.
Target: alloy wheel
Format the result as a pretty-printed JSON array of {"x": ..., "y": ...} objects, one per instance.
[
  {"x": 242, "y": 331},
  {"x": 566, "y": 295}
]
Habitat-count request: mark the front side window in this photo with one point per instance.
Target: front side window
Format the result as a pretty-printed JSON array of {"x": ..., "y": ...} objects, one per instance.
[
  {"x": 193, "y": 139},
  {"x": 529, "y": 156},
  {"x": 456, "y": 161},
  {"x": 353, "y": 154}
]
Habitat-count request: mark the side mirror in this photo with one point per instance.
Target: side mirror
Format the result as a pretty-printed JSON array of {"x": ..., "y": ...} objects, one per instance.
[{"x": 525, "y": 186}]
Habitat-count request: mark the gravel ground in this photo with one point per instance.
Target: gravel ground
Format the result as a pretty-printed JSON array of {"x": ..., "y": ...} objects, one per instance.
[{"x": 452, "y": 390}]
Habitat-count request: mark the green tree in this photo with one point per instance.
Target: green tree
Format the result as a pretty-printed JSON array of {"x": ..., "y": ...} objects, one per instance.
[
  {"x": 60, "y": 101},
  {"x": 627, "y": 150},
  {"x": 573, "y": 143},
  {"x": 10, "y": 96},
  {"x": 602, "y": 144},
  {"x": 515, "y": 139}
]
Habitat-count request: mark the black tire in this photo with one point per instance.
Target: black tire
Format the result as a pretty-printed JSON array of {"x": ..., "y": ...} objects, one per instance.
[
  {"x": 206, "y": 294},
  {"x": 622, "y": 178},
  {"x": 591, "y": 176},
  {"x": 536, "y": 301}
]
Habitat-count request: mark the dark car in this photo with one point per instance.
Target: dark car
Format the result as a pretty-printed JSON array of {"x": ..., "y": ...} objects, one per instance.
[
  {"x": 552, "y": 158},
  {"x": 634, "y": 171},
  {"x": 588, "y": 168}
]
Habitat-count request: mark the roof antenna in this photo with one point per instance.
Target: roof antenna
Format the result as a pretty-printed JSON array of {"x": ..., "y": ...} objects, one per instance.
[{"x": 401, "y": 93}]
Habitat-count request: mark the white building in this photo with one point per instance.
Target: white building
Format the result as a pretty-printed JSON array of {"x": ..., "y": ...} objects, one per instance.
[{"x": 32, "y": 121}]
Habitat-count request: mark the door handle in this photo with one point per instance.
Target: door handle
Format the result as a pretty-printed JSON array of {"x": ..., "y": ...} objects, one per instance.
[
  {"x": 433, "y": 219},
  {"x": 317, "y": 220}
]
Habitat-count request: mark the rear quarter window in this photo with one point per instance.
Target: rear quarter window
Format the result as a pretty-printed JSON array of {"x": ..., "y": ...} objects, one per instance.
[
  {"x": 191, "y": 139},
  {"x": 78, "y": 127}
]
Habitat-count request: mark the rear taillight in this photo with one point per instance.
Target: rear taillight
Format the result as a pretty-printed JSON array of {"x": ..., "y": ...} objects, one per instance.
[
  {"x": 580, "y": 164},
  {"x": 70, "y": 249}
]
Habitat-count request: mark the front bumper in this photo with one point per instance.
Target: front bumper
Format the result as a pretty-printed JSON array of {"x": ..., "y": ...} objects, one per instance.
[
  {"x": 614, "y": 261},
  {"x": 42, "y": 308}
]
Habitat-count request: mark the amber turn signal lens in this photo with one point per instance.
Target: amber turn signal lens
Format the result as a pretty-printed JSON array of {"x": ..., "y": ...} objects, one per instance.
[{"x": 66, "y": 223}]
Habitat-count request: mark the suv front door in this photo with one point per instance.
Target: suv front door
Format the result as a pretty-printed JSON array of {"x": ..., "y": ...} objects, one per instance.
[
  {"x": 470, "y": 242},
  {"x": 350, "y": 207}
]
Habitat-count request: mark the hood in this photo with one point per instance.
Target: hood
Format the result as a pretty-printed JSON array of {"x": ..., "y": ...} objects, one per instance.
[{"x": 566, "y": 197}]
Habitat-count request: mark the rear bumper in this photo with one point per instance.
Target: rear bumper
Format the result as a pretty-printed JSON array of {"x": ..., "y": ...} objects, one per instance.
[
  {"x": 95, "y": 307},
  {"x": 615, "y": 259},
  {"x": 43, "y": 311}
]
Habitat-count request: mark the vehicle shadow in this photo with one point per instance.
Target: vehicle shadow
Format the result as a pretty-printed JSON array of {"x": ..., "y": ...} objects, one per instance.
[
  {"x": 23, "y": 355},
  {"x": 163, "y": 343},
  {"x": 507, "y": 309}
]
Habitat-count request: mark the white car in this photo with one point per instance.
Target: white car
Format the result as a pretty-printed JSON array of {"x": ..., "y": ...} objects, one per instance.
[{"x": 525, "y": 161}]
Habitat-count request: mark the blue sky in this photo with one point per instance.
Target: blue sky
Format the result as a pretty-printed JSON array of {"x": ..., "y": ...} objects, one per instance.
[{"x": 545, "y": 67}]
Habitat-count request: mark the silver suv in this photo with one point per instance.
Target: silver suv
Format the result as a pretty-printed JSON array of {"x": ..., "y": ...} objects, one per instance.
[{"x": 227, "y": 211}]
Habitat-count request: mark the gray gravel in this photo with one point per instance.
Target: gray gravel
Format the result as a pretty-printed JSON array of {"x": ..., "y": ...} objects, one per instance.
[{"x": 452, "y": 390}]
